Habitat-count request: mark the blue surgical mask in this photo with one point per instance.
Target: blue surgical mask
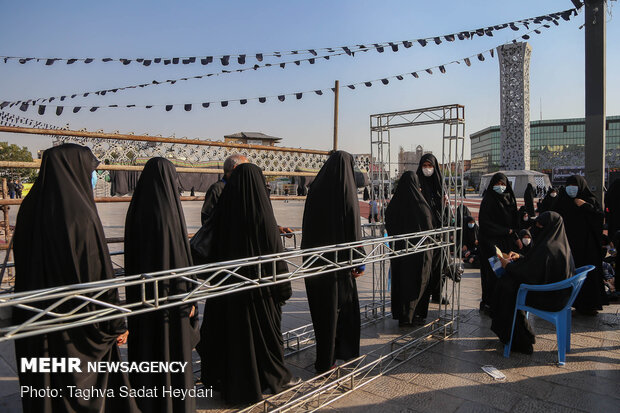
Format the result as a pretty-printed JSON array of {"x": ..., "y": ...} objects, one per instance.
[
  {"x": 471, "y": 225},
  {"x": 93, "y": 179},
  {"x": 499, "y": 188},
  {"x": 572, "y": 190}
]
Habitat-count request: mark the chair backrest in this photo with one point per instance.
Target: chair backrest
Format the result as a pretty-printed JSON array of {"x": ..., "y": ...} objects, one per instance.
[{"x": 576, "y": 281}]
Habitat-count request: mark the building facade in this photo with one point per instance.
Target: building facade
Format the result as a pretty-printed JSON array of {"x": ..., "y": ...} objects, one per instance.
[
  {"x": 555, "y": 145},
  {"x": 409, "y": 160}
]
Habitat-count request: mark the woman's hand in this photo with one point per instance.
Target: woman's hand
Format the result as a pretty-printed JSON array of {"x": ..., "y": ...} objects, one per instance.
[
  {"x": 504, "y": 261},
  {"x": 122, "y": 339},
  {"x": 579, "y": 202}
]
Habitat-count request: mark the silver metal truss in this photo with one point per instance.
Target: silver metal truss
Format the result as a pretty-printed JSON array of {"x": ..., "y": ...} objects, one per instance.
[
  {"x": 330, "y": 386},
  {"x": 59, "y": 308}
]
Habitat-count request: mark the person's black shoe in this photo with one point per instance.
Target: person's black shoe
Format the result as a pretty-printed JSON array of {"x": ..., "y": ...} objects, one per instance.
[
  {"x": 294, "y": 381},
  {"x": 523, "y": 348}
]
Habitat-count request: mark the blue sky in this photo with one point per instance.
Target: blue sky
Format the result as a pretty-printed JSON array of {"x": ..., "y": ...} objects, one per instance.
[{"x": 192, "y": 28}]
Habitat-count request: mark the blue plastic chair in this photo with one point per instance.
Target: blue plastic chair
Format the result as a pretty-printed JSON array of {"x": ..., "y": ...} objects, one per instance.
[{"x": 561, "y": 319}]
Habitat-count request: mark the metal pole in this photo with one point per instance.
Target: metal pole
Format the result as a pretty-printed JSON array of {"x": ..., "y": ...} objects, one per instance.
[
  {"x": 595, "y": 39},
  {"x": 336, "y": 93}
]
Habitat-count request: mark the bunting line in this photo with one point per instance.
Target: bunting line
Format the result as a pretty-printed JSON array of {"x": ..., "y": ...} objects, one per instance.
[
  {"x": 103, "y": 92},
  {"x": 241, "y": 59}
]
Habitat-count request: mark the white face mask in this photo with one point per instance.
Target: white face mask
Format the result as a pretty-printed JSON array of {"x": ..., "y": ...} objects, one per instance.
[
  {"x": 572, "y": 190},
  {"x": 499, "y": 188},
  {"x": 428, "y": 171},
  {"x": 471, "y": 225},
  {"x": 526, "y": 218},
  {"x": 553, "y": 194},
  {"x": 526, "y": 241}
]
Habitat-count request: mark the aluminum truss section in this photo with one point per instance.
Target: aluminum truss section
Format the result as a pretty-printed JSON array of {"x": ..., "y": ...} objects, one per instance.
[
  {"x": 59, "y": 308},
  {"x": 330, "y": 386}
]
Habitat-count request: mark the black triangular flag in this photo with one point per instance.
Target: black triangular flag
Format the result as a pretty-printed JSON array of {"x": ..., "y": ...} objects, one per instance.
[
  {"x": 489, "y": 32},
  {"x": 318, "y": 92},
  {"x": 297, "y": 62},
  {"x": 351, "y": 86},
  {"x": 243, "y": 101},
  {"x": 241, "y": 59},
  {"x": 262, "y": 99},
  {"x": 140, "y": 60},
  {"x": 41, "y": 109},
  {"x": 442, "y": 69},
  {"x": 399, "y": 77},
  {"x": 480, "y": 57},
  {"x": 311, "y": 60},
  {"x": 407, "y": 44},
  {"x": 259, "y": 57},
  {"x": 168, "y": 108},
  {"x": 513, "y": 27},
  {"x": 281, "y": 98},
  {"x": 205, "y": 105},
  {"x": 76, "y": 109},
  {"x": 492, "y": 52},
  {"x": 225, "y": 60},
  {"x": 422, "y": 42},
  {"x": 106, "y": 59},
  {"x": 50, "y": 62},
  {"x": 147, "y": 62},
  {"x": 394, "y": 47},
  {"x": 157, "y": 60},
  {"x": 368, "y": 84},
  {"x": 429, "y": 71},
  {"x": 187, "y": 107},
  {"x": 467, "y": 61},
  {"x": 71, "y": 61},
  {"x": 94, "y": 108},
  {"x": 23, "y": 107},
  {"x": 166, "y": 62},
  {"x": 298, "y": 95},
  {"x": 313, "y": 52},
  {"x": 437, "y": 40},
  {"x": 224, "y": 103},
  {"x": 204, "y": 61},
  {"x": 385, "y": 81},
  {"x": 460, "y": 36},
  {"x": 125, "y": 61},
  {"x": 282, "y": 65},
  {"x": 379, "y": 48},
  {"x": 59, "y": 110},
  {"x": 449, "y": 37},
  {"x": 347, "y": 50},
  {"x": 175, "y": 60}
]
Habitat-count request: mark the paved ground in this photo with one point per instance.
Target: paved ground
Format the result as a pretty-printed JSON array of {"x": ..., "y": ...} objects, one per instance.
[{"x": 448, "y": 377}]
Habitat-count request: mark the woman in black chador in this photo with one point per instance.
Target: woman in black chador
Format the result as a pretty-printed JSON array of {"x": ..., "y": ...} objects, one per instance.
[
  {"x": 409, "y": 212},
  {"x": 548, "y": 202},
  {"x": 583, "y": 219},
  {"x": 332, "y": 216},
  {"x": 549, "y": 261},
  {"x": 499, "y": 227},
  {"x": 242, "y": 351},
  {"x": 156, "y": 240},
  {"x": 431, "y": 181},
  {"x": 59, "y": 240},
  {"x": 528, "y": 199}
]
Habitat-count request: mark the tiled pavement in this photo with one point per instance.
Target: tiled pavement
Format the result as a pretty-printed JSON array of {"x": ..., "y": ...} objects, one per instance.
[{"x": 448, "y": 376}]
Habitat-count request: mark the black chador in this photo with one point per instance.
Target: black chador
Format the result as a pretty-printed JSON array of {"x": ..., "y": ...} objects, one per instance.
[
  {"x": 432, "y": 190},
  {"x": 242, "y": 351},
  {"x": 528, "y": 199},
  {"x": 332, "y": 216},
  {"x": 409, "y": 212},
  {"x": 156, "y": 240},
  {"x": 584, "y": 230},
  {"x": 548, "y": 202},
  {"x": 548, "y": 261},
  {"x": 499, "y": 227},
  {"x": 59, "y": 240}
]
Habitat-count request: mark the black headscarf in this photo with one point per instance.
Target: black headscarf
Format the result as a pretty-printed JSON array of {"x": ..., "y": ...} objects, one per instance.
[
  {"x": 59, "y": 240},
  {"x": 408, "y": 212},
  {"x": 241, "y": 341},
  {"x": 528, "y": 198},
  {"x": 498, "y": 213},
  {"x": 331, "y": 216},
  {"x": 431, "y": 186},
  {"x": 155, "y": 240},
  {"x": 548, "y": 201},
  {"x": 526, "y": 248},
  {"x": 470, "y": 235},
  {"x": 522, "y": 212}
]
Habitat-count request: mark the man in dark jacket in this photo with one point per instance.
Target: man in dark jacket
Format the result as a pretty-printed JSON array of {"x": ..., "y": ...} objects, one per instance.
[{"x": 215, "y": 190}]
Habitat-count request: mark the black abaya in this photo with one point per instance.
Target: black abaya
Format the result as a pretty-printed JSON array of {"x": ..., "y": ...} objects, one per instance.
[
  {"x": 549, "y": 261},
  {"x": 59, "y": 240},
  {"x": 156, "y": 240},
  {"x": 408, "y": 212},
  {"x": 242, "y": 351},
  {"x": 498, "y": 228},
  {"x": 212, "y": 196},
  {"x": 584, "y": 230},
  {"x": 332, "y": 216},
  {"x": 548, "y": 202},
  {"x": 528, "y": 199}
]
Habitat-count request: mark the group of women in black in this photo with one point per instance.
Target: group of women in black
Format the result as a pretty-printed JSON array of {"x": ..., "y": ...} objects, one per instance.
[
  {"x": 565, "y": 235},
  {"x": 59, "y": 240}
]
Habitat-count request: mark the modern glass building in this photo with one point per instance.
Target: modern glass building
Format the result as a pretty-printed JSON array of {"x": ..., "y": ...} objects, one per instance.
[{"x": 555, "y": 145}]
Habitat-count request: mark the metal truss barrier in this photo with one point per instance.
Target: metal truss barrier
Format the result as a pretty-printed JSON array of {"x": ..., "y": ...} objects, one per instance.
[
  {"x": 330, "y": 386},
  {"x": 59, "y": 308}
]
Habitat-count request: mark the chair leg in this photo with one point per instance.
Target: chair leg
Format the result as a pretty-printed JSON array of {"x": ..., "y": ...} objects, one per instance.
[
  {"x": 569, "y": 321},
  {"x": 512, "y": 331},
  {"x": 560, "y": 331}
]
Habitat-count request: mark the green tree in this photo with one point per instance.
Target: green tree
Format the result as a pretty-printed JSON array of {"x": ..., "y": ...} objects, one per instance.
[{"x": 12, "y": 152}]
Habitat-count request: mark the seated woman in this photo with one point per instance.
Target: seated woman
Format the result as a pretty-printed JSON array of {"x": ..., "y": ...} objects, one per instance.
[
  {"x": 524, "y": 219},
  {"x": 549, "y": 261},
  {"x": 526, "y": 241},
  {"x": 470, "y": 242}
]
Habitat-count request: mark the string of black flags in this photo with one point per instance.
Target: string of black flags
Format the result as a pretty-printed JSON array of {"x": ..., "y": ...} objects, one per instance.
[
  {"x": 41, "y": 109},
  {"x": 226, "y": 59},
  {"x": 11, "y": 119},
  {"x": 24, "y": 104}
]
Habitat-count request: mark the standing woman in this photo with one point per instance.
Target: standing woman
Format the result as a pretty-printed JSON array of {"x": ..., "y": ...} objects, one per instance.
[
  {"x": 499, "y": 227},
  {"x": 409, "y": 212},
  {"x": 59, "y": 240},
  {"x": 431, "y": 182},
  {"x": 332, "y": 216},
  {"x": 528, "y": 199},
  {"x": 583, "y": 219},
  {"x": 245, "y": 354},
  {"x": 548, "y": 201},
  {"x": 156, "y": 240}
]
